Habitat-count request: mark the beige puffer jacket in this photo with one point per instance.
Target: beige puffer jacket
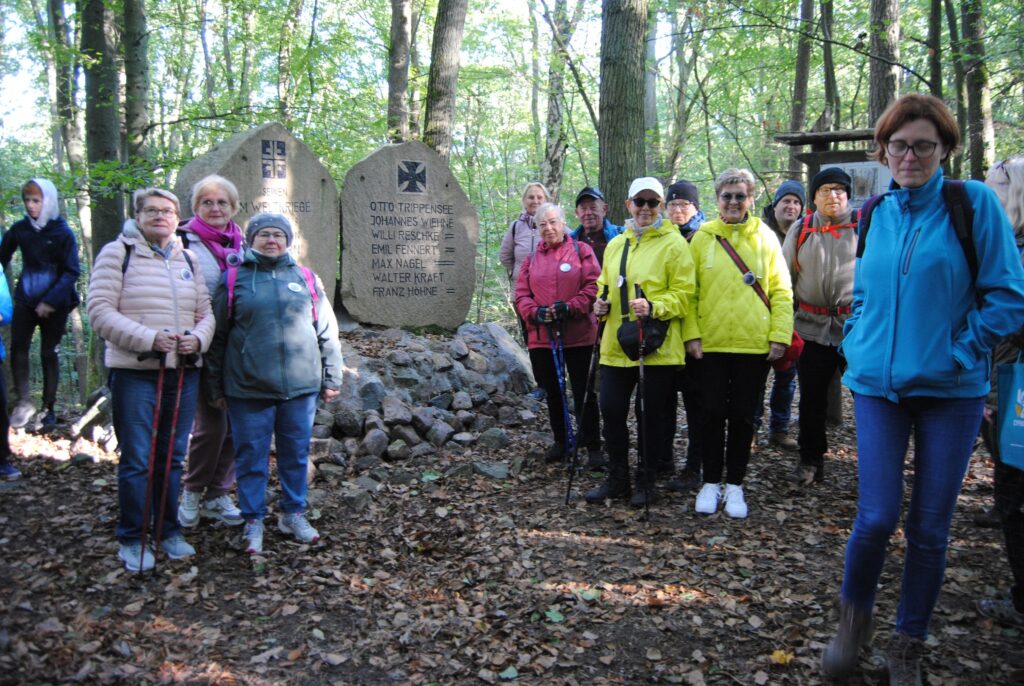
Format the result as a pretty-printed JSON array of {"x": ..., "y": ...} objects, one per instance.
[{"x": 128, "y": 310}]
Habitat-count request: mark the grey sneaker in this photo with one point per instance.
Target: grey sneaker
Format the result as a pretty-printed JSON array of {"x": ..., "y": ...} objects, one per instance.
[
  {"x": 135, "y": 559},
  {"x": 903, "y": 659},
  {"x": 297, "y": 525},
  {"x": 252, "y": 536},
  {"x": 177, "y": 548},
  {"x": 188, "y": 509},
  {"x": 223, "y": 510},
  {"x": 1001, "y": 610},
  {"x": 23, "y": 412}
]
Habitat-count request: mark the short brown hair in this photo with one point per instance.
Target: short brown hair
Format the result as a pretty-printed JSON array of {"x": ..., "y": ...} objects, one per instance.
[{"x": 912, "y": 107}]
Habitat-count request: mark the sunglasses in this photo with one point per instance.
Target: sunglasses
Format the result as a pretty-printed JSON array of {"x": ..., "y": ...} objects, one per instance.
[
  {"x": 650, "y": 202},
  {"x": 729, "y": 197}
]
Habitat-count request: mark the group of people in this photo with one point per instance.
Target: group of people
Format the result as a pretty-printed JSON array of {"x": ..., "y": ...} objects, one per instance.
[
  {"x": 909, "y": 314},
  {"x": 209, "y": 332}
]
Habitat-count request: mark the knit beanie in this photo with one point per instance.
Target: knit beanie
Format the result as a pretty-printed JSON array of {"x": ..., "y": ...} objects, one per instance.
[
  {"x": 790, "y": 187},
  {"x": 265, "y": 220},
  {"x": 831, "y": 175},
  {"x": 683, "y": 190}
]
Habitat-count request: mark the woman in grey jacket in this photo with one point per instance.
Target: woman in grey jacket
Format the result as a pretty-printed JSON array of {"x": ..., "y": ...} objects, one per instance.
[{"x": 274, "y": 351}]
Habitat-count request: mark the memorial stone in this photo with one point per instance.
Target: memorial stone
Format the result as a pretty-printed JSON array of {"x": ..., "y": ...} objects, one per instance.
[
  {"x": 275, "y": 172},
  {"x": 409, "y": 239}
]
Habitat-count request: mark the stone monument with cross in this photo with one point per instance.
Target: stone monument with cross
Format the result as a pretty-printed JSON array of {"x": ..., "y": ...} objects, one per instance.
[
  {"x": 409, "y": 239},
  {"x": 275, "y": 172}
]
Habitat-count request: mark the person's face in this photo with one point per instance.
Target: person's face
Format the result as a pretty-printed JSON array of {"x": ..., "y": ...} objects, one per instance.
[
  {"x": 831, "y": 200},
  {"x": 908, "y": 168},
  {"x": 33, "y": 199},
  {"x": 552, "y": 229},
  {"x": 157, "y": 219},
  {"x": 533, "y": 199},
  {"x": 681, "y": 211},
  {"x": 644, "y": 207},
  {"x": 787, "y": 210},
  {"x": 270, "y": 241},
  {"x": 215, "y": 208},
  {"x": 591, "y": 213},
  {"x": 734, "y": 201}
]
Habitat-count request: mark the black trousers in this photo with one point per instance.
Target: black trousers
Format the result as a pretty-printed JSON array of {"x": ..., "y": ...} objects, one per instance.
[
  {"x": 685, "y": 382},
  {"x": 51, "y": 330},
  {"x": 729, "y": 386},
  {"x": 577, "y": 362},
  {"x": 818, "y": 364},
  {"x": 617, "y": 384},
  {"x": 5, "y": 424}
]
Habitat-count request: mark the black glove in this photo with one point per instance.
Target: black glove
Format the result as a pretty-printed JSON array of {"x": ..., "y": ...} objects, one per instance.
[
  {"x": 561, "y": 310},
  {"x": 543, "y": 315}
]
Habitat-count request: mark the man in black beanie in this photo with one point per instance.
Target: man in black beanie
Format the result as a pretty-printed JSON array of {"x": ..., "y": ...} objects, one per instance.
[{"x": 683, "y": 204}]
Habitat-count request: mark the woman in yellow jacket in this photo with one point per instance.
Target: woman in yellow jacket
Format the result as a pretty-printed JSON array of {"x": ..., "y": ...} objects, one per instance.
[
  {"x": 657, "y": 259},
  {"x": 733, "y": 333}
]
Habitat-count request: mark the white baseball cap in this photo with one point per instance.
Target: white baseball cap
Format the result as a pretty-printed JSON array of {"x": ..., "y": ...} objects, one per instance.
[{"x": 646, "y": 183}]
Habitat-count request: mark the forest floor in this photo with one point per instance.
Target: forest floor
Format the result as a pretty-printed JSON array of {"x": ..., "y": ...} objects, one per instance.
[{"x": 465, "y": 579}]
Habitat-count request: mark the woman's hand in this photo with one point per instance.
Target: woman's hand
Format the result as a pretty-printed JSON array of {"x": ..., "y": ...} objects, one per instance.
[
  {"x": 694, "y": 349},
  {"x": 641, "y": 307},
  {"x": 601, "y": 307},
  {"x": 188, "y": 344},
  {"x": 165, "y": 342},
  {"x": 776, "y": 351},
  {"x": 43, "y": 310},
  {"x": 329, "y": 394},
  {"x": 219, "y": 403}
]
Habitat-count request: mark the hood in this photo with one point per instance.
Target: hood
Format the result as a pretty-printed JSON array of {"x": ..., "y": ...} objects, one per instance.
[
  {"x": 50, "y": 209},
  {"x": 259, "y": 260},
  {"x": 659, "y": 228},
  {"x": 717, "y": 227}
]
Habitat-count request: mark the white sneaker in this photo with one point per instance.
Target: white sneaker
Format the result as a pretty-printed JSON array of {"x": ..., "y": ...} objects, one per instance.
[
  {"x": 22, "y": 413},
  {"x": 136, "y": 559},
  {"x": 735, "y": 505},
  {"x": 188, "y": 508},
  {"x": 297, "y": 525},
  {"x": 177, "y": 548},
  {"x": 708, "y": 498},
  {"x": 252, "y": 536},
  {"x": 223, "y": 510}
]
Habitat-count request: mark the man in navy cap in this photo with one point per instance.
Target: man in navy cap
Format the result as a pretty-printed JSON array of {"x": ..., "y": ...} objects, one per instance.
[{"x": 595, "y": 230}]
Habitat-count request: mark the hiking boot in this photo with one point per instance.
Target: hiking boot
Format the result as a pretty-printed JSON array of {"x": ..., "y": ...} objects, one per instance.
[
  {"x": 614, "y": 488},
  {"x": 136, "y": 559},
  {"x": 806, "y": 474},
  {"x": 252, "y": 536},
  {"x": 223, "y": 510},
  {"x": 297, "y": 525},
  {"x": 177, "y": 548},
  {"x": 8, "y": 472},
  {"x": 735, "y": 505},
  {"x": 988, "y": 519},
  {"x": 708, "y": 498},
  {"x": 48, "y": 421},
  {"x": 684, "y": 483},
  {"x": 23, "y": 412},
  {"x": 643, "y": 492},
  {"x": 903, "y": 659},
  {"x": 596, "y": 461},
  {"x": 188, "y": 508},
  {"x": 854, "y": 632},
  {"x": 555, "y": 453},
  {"x": 780, "y": 439},
  {"x": 1001, "y": 610}
]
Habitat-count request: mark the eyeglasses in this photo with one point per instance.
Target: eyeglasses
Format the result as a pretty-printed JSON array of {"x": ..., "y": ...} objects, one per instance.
[
  {"x": 153, "y": 212},
  {"x": 679, "y": 204},
  {"x": 729, "y": 197},
  {"x": 270, "y": 235},
  {"x": 1002, "y": 167},
  {"x": 210, "y": 204},
  {"x": 649, "y": 202},
  {"x": 922, "y": 149},
  {"x": 831, "y": 190},
  {"x": 553, "y": 224}
]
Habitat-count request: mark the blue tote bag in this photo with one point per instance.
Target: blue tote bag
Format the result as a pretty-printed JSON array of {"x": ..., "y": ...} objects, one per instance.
[{"x": 1011, "y": 414}]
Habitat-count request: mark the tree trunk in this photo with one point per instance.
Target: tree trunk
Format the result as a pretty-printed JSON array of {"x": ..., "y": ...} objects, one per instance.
[
  {"x": 652, "y": 139},
  {"x": 444, "y": 76},
  {"x": 885, "y": 52},
  {"x": 684, "y": 68},
  {"x": 960, "y": 83},
  {"x": 416, "y": 68},
  {"x": 982, "y": 146},
  {"x": 556, "y": 143},
  {"x": 398, "y": 70},
  {"x": 102, "y": 125},
  {"x": 209, "y": 82},
  {"x": 830, "y": 119},
  {"x": 285, "y": 80},
  {"x": 935, "y": 48},
  {"x": 244, "y": 100},
  {"x": 621, "y": 123},
  {"x": 136, "y": 74},
  {"x": 798, "y": 112},
  {"x": 538, "y": 144}
]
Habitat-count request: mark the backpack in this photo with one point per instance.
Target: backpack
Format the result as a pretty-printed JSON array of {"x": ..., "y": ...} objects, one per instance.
[
  {"x": 806, "y": 229},
  {"x": 307, "y": 274},
  {"x": 129, "y": 248},
  {"x": 954, "y": 193}
]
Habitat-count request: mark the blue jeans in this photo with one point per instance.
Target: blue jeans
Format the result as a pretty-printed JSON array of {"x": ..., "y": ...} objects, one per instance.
[
  {"x": 253, "y": 422},
  {"x": 944, "y": 432},
  {"x": 133, "y": 403},
  {"x": 781, "y": 402}
]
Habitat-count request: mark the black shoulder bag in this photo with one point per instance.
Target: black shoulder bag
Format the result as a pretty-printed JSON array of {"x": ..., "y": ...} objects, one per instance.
[{"x": 655, "y": 330}]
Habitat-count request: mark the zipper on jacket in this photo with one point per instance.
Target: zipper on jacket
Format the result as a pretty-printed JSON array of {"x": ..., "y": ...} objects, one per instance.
[
  {"x": 174, "y": 301},
  {"x": 910, "y": 252}
]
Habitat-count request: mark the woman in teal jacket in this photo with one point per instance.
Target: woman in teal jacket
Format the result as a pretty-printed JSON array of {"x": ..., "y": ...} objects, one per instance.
[
  {"x": 7, "y": 470},
  {"x": 918, "y": 345},
  {"x": 274, "y": 351}
]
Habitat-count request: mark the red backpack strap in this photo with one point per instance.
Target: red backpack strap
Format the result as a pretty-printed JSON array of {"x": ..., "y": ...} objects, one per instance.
[
  {"x": 231, "y": 276},
  {"x": 805, "y": 229},
  {"x": 310, "y": 278}
]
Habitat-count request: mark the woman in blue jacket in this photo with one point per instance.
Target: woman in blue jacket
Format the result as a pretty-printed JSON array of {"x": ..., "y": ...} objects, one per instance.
[{"x": 918, "y": 346}]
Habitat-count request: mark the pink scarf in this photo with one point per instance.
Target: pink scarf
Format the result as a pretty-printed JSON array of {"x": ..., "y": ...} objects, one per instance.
[{"x": 219, "y": 243}]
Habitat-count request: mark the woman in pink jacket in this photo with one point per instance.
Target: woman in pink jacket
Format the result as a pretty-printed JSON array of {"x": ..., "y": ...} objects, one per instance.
[{"x": 554, "y": 296}]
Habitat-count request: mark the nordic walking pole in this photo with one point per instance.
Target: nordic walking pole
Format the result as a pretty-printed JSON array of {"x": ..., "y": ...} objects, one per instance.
[
  {"x": 147, "y": 503},
  {"x": 558, "y": 353},
  {"x": 595, "y": 354},
  {"x": 641, "y": 425}
]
